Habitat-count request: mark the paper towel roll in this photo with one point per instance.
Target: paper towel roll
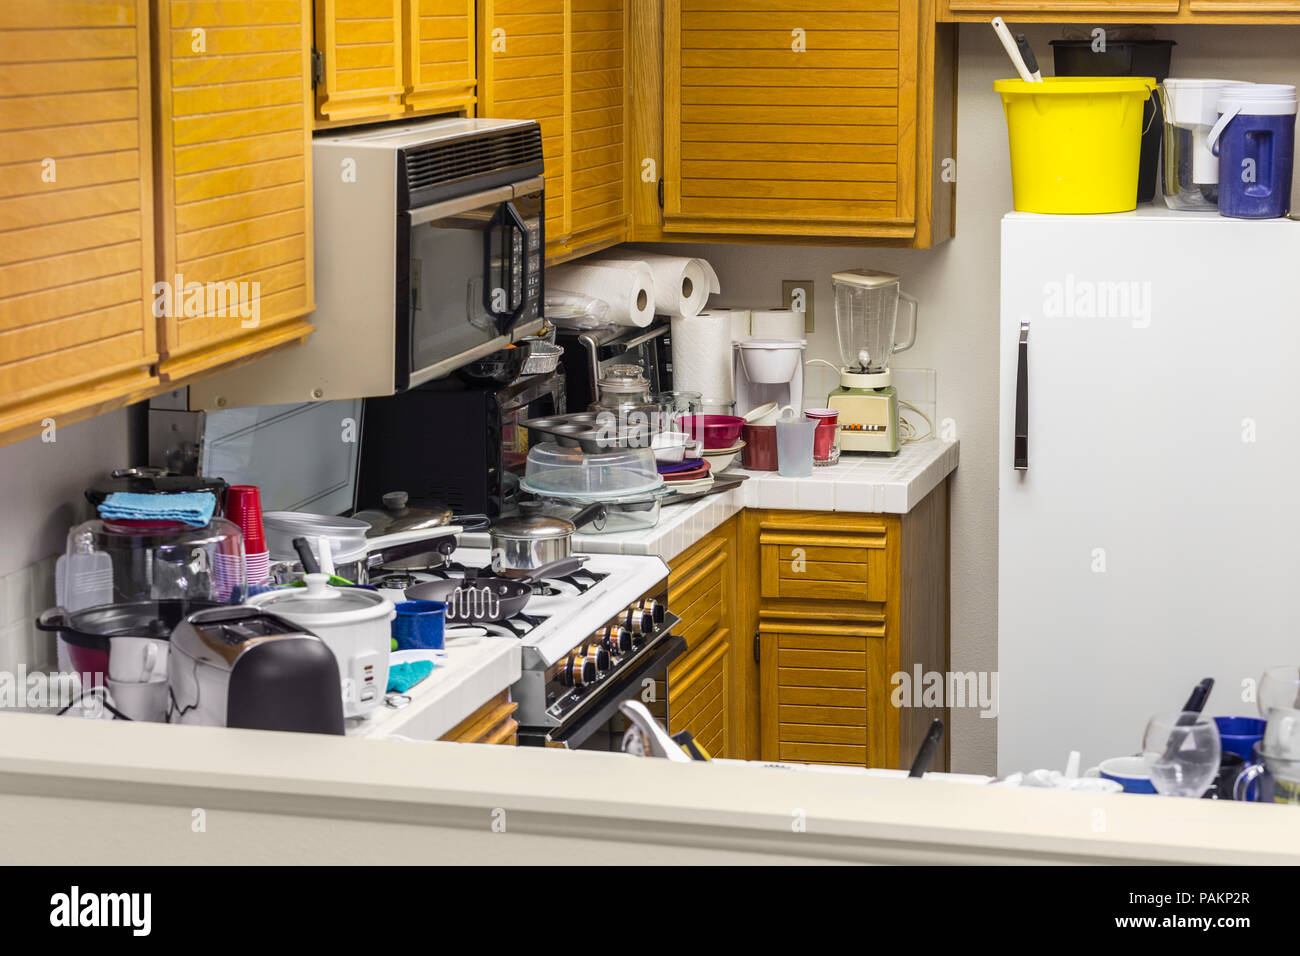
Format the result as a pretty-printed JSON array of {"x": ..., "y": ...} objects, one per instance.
[
  {"x": 682, "y": 284},
  {"x": 776, "y": 324},
  {"x": 702, "y": 355},
  {"x": 628, "y": 288}
]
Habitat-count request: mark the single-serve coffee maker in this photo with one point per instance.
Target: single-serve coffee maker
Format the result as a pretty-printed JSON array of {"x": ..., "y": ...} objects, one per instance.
[{"x": 768, "y": 370}]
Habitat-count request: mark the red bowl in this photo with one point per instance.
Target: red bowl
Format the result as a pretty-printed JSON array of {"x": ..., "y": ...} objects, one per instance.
[{"x": 715, "y": 431}]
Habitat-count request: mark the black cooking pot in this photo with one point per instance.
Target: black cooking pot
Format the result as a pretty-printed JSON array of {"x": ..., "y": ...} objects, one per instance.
[{"x": 88, "y": 631}]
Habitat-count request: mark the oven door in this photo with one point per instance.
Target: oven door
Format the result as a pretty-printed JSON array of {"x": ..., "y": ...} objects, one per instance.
[{"x": 467, "y": 284}]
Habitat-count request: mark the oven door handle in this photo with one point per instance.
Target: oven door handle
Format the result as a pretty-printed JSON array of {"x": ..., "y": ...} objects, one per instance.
[{"x": 511, "y": 221}]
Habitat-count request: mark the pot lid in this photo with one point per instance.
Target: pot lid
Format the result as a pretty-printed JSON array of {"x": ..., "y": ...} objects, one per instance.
[
  {"x": 396, "y": 516},
  {"x": 536, "y": 526},
  {"x": 319, "y": 603},
  {"x": 865, "y": 278}
]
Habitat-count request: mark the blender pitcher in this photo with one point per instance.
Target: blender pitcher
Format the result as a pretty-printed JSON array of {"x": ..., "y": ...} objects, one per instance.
[{"x": 866, "y": 318}]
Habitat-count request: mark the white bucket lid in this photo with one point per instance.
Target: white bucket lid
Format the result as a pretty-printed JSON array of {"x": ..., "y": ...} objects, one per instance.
[
  {"x": 1259, "y": 99},
  {"x": 1194, "y": 101}
]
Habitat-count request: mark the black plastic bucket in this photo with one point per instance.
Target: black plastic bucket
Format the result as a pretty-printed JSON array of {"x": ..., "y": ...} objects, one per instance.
[{"x": 1125, "y": 58}]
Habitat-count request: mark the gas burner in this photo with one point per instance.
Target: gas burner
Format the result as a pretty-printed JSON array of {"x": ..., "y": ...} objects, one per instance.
[
  {"x": 542, "y": 589},
  {"x": 396, "y": 580}
]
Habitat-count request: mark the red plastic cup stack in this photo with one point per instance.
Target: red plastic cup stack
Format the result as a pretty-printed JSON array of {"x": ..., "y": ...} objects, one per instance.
[
  {"x": 825, "y": 451},
  {"x": 244, "y": 508}
]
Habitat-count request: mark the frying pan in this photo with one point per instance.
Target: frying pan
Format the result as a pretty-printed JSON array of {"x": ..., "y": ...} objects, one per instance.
[{"x": 489, "y": 600}]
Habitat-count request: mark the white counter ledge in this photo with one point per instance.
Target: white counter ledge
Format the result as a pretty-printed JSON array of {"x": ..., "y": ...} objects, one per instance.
[
  {"x": 473, "y": 673},
  {"x": 115, "y": 792}
]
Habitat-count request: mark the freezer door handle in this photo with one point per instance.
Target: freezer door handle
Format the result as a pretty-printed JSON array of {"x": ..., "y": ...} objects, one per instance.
[{"x": 1022, "y": 401}]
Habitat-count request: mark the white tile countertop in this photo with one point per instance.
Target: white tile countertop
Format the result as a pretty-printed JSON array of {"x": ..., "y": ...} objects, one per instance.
[{"x": 865, "y": 484}]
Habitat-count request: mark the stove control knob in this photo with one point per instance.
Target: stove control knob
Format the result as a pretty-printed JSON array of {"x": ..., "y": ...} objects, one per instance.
[
  {"x": 596, "y": 653},
  {"x": 656, "y": 608},
  {"x": 577, "y": 671},
  {"x": 641, "y": 623},
  {"x": 617, "y": 639}
]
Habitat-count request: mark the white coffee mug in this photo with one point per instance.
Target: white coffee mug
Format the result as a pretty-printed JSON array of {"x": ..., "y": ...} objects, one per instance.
[
  {"x": 140, "y": 700},
  {"x": 137, "y": 659}
]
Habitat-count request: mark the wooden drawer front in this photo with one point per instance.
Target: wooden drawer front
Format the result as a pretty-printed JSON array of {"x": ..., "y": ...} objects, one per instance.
[
  {"x": 698, "y": 694},
  {"x": 362, "y": 43},
  {"x": 76, "y": 212},
  {"x": 815, "y": 565},
  {"x": 493, "y": 723},
  {"x": 440, "y": 55},
  {"x": 818, "y": 692},
  {"x": 234, "y": 149}
]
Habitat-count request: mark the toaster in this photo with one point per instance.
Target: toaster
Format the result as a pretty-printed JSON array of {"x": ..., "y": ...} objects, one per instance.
[{"x": 243, "y": 667}]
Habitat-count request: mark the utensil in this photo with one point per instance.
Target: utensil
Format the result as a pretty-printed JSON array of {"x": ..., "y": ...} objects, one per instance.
[
  {"x": 1013, "y": 51},
  {"x": 1240, "y": 734},
  {"x": 1195, "y": 704},
  {"x": 136, "y": 659},
  {"x": 482, "y": 600},
  {"x": 716, "y": 431},
  {"x": 1131, "y": 773},
  {"x": 794, "y": 444},
  {"x": 141, "y": 700},
  {"x": 1182, "y": 751},
  {"x": 527, "y": 542},
  {"x": 571, "y": 472},
  {"x": 925, "y": 754},
  {"x": 1027, "y": 54},
  {"x": 622, "y": 512},
  {"x": 1282, "y": 733}
]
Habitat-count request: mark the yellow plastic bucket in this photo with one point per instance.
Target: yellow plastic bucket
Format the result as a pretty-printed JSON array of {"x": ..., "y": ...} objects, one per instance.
[{"x": 1075, "y": 142}]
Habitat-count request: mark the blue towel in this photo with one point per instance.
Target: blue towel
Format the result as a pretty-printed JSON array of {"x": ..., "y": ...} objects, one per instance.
[
  {"x": 402, "y": 677},
  {"x": 191, "y": 507}
]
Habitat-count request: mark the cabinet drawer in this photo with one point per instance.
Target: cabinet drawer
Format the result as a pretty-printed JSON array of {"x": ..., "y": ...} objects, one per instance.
[{"x": 822, "y": 566}]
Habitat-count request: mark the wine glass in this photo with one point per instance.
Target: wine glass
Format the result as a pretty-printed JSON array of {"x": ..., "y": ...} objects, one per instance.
[
  {"x": 1279, "y": 687},
  {"x": 1182, "y": 752}
]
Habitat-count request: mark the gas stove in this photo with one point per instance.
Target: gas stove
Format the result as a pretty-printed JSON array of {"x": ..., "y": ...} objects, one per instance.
[{"x": 589, "y": 640}]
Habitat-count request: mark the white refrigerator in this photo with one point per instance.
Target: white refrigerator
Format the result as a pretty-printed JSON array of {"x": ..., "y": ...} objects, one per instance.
[{"x": 1150, "y": 530}]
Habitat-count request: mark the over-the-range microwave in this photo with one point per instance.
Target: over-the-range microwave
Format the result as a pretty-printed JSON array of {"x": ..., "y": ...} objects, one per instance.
[{"x": 429, "y": 243}]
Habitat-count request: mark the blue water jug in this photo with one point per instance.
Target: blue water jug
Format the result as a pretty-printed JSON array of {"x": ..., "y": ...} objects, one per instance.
[{"x": 1254, "y": 139}]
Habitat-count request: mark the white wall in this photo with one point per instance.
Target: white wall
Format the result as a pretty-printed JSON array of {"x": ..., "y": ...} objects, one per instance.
[{"x": 957, "y": 285}]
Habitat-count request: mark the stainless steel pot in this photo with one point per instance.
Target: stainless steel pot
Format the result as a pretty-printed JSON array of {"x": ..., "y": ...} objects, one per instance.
[
  {"x": 524, "y": 543},
  {"x": 353, "y": 546}
]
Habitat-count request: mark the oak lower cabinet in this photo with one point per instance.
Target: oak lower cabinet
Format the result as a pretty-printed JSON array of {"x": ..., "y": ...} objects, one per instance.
[
  {"x": 846, "y": 602},
  {"x": 232, "y": 108},
  {"x": 493, "y": 723},
  {"x": 702, "y": 694},
  {"x": 76, "y": 212}
]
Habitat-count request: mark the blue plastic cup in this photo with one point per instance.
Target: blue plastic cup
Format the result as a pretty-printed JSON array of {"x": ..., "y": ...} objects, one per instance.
[{"x": 419, "y": 625}]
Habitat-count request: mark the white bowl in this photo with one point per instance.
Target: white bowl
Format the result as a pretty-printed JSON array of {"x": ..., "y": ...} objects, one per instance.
[
  {"x": 670, "y": 447},
  {"x": 770, "y": 361},
  {"x": 723, "y": 458}
]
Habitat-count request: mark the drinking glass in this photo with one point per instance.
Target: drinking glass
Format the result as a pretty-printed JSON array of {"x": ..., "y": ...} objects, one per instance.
[
  {"x": 1279, "y": 687},
  {"x": 1182, "y": 752}
]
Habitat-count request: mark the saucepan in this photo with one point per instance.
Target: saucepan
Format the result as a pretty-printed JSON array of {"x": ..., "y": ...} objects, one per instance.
[
  {"x": 525, "y": 543},
  {"x": 489, "y": 600}
]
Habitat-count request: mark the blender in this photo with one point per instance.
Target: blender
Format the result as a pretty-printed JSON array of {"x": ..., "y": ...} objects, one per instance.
[{"x": 866, "y": 318}]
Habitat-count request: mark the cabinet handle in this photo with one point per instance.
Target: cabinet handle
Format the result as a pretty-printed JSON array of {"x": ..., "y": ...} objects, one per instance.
[
  {"x": 756, "y": 646},
  {"x": 1022, "y": 401}
]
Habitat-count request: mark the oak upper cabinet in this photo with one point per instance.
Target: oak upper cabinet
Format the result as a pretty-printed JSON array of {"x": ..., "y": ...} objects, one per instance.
[
  {"x": 562, "y": 63},
  {"x": 233, "y": 108},
  {"x": 384, "y": 59},
  {"x": 441, "y": 55},
  {"x": 359, "y": 70},
  {"x": 76, "y": 213},
  {"x": 820, "y": 118}
]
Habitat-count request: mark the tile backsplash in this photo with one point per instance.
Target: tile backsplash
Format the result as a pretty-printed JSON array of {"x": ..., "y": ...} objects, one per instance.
[{"x": 25, "y": 593}]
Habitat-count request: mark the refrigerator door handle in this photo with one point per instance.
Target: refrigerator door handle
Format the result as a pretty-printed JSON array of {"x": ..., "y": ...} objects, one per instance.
[{"x": 1021, "y": 462}]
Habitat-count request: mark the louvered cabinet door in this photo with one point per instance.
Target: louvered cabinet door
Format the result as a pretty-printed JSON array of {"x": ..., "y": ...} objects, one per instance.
[
  {"x": 699, "y": 692},
  {"x": 76, "y": 215},
  {"x": 233, "y": 113},
  {"x": 786, "y": 118},
  {"x": 361, "y": 43},
  {"x": 825, "y": 691},
  {"x": 524, "y": 75},
  {"x": 440, "y": 55},
  {"x": 598, "y": 199}
]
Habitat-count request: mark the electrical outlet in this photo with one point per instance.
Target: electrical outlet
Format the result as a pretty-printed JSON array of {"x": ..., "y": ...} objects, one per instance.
[{"x": 797, "y": 294}]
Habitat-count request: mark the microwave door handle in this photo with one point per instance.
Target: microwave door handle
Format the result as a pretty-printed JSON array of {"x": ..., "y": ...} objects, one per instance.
[{"x": 511, "y": 220}]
